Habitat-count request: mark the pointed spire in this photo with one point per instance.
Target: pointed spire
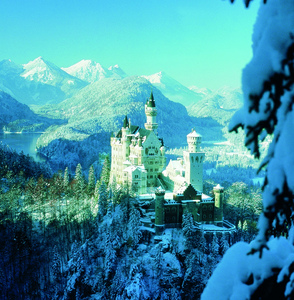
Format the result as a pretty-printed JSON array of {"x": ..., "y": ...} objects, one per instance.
[
  {"x": 150, "y": 101},
  {"x": 126, "y": 122},
  {"x": 151, "y": 96}
]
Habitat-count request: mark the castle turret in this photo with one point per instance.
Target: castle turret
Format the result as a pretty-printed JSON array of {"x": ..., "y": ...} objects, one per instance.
[
  {"x": 151, "y": 113},
  {"x": 125, "y": 139},
  {"x": 194, "y": 161},
  {"x": 218, "y": 205},
  {"x": 159, "y": 210}
]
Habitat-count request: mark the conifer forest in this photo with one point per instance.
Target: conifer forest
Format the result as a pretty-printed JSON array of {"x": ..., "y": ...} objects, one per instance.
[{"x": 75, "y": 236}]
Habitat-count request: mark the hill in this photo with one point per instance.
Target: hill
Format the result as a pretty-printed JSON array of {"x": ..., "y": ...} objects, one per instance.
[
  {"x": 18, "y": 117},
  {"x": 219, "y": 105},
  {"x": 102, "y": 106},
  {"x": 174, "y": 90}
]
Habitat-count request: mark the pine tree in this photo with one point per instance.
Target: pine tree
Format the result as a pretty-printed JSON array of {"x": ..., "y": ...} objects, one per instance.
[
  {"x": 102, "y": 202},
  {"x": 91, "y": 181},
  {"x": 189, "y": 230},
  {"x": 56, "y": 265},
  {"x": 66, "y": 178},
  {"x": 79, "y": 179},
  {"x": 96, "y": 192},
  {"x": 105, "y": 173},
  {"x": 134, "y": 227}
]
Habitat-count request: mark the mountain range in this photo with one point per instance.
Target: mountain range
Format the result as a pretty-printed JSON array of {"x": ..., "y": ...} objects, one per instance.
[
  {"x": 87, "y": 99},
  {"x": 41, "y": 82}
]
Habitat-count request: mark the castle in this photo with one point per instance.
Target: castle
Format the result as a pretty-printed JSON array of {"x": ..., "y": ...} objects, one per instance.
[{"x": 138, "y": 160}]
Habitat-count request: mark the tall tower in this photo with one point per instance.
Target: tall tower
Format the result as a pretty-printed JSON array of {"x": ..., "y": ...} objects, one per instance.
[
  {"x": 125, "y": 140},
  {"x": 218, "y": 204},
  {"x": 194, "y": 161},
  {"x": 159, "y": 210},
  {"x": 151, "y": 113}
]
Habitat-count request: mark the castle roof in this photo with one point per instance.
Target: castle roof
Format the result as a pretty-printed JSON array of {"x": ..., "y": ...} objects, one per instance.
[
  {"x": 150, "y": 102},
  {"x": 188, "y": 191},
  {"x": 126, "y": 122},
  {"x": 133, "y": 129},
  {"x": 194, "y": 133},
  {"x": 131, "y": 169}
]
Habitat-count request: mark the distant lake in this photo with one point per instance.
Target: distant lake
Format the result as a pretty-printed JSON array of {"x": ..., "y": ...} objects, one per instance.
[{"x": 25, "y": 142}]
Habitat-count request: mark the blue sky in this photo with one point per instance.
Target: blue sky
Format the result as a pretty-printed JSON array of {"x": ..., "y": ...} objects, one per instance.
[{"x": 198, "y": 42}]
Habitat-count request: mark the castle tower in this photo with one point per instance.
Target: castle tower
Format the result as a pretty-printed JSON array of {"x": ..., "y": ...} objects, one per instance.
[
  {"x": 159, "y": 210},
  {"x": 151, "y": 113},
  {"x": 218, "y": 205},
  {"x": 194, "y": 161},
  {"x": 125, "y": 140}
]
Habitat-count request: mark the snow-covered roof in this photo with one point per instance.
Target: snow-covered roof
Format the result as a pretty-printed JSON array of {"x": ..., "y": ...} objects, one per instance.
[
  {"x": 219, "y": 187},
  {"x": 206, "y": 198},
  {"x": 131, "y": 169},
  {"x": 194, "y": 134},
  {"x": 126, "y": 162}
]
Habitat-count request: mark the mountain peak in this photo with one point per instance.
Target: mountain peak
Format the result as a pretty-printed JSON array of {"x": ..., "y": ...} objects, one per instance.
[
  {"x": 87, "y": 70},
  {"x": 7, "y": 66}
]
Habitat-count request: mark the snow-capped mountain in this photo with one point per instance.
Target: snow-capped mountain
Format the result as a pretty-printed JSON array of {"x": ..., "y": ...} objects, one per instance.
[
  {"x": 9, "y": 68},
  {"x": 37, "y": 82},
  {"x": 174, "y": 90},
  {"x": 91, "y": 71},
  {"x": 117, "y": 72},
  {"x": 201, "y": 91},
  {"x": 40, "y": 70},
  {"x": 87, "y": 70}
]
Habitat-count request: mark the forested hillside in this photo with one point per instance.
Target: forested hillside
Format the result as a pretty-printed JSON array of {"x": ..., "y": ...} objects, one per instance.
[
  {"x": 18, "y": 117},
  {"x": 72, "y": 237}
]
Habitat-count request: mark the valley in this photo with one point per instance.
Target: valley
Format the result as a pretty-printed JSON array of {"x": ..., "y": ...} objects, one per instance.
[{"x": 75, "y": 104}]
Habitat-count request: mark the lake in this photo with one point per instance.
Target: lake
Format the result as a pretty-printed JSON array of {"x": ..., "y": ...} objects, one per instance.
[{"x": 25, "y": 142}]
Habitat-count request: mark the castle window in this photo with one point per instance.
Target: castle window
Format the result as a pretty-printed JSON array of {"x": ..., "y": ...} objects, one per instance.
[
  {"x": 151, "y": 176},
  {"x": 136, "y": 176},
  {"x": 151, "y": 170}
]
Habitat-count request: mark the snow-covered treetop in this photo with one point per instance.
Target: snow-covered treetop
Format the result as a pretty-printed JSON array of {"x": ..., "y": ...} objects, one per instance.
[{"x": 268, "y": 86}]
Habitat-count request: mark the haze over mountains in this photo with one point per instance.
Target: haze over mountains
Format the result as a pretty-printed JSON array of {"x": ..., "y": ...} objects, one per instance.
[
  {"x": 92, "y": 99},
  {"x": 41, "y": 82}
]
